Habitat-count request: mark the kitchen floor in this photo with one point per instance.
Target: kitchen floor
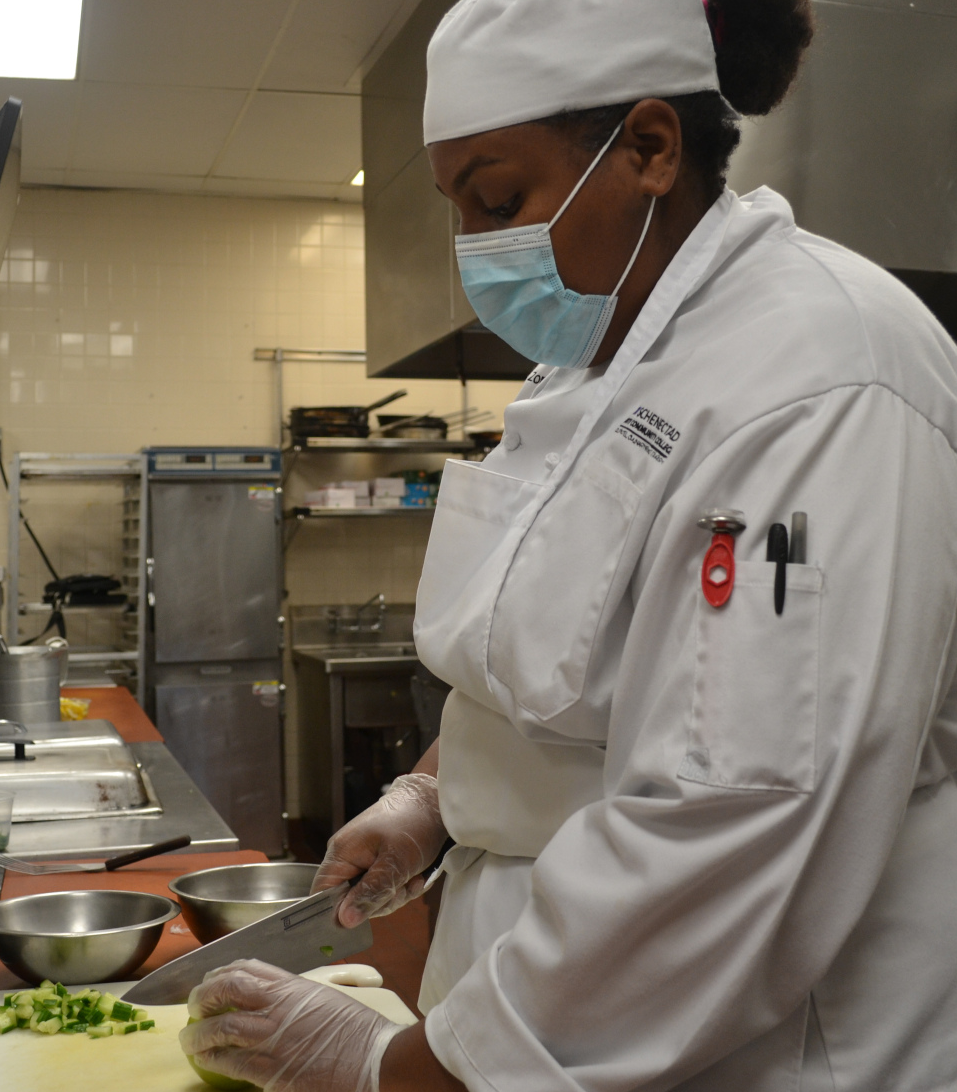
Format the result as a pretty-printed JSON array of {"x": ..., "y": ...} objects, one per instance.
[{"x": 400, "y": 941}]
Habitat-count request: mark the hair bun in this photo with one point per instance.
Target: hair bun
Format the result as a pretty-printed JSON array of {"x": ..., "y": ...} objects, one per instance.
[{"x": 758, "y": 46}]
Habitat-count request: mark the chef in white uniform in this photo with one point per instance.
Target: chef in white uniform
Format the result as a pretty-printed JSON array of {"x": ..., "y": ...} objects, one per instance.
[{"x": 704, "y": 841}]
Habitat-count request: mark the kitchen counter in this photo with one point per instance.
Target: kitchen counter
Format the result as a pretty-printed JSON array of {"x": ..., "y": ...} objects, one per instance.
[
  {"x": 185, "y": 809},
  {"x": 360, "y": 660}
]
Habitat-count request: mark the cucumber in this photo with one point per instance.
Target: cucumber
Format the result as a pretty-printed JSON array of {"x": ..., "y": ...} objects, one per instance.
[
  {"x": 122, "y": 1011},
  {"x": 51, "y": 1008}
]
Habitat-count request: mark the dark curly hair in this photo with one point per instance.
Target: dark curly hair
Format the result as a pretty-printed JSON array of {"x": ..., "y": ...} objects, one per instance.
[{"x": 758, "y": 48}]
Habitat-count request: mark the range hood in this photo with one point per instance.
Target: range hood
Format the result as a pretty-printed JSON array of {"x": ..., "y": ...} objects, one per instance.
[
  {"x": 419, "y": 325},
  {"x": 865, "y": 149}
]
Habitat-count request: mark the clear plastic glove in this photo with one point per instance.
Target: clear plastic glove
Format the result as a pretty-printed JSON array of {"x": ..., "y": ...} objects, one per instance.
[
  {"x": 287, "y": 1034},
  {"x": 392, "y": 842}
]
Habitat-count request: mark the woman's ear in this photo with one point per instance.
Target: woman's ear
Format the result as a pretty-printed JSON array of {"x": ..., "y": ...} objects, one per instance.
[{"x": 651, "y": 136}]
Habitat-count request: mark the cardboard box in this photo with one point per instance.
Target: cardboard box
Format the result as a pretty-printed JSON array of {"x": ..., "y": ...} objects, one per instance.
[
  {"x": 331, "y": 497},
  {"x": 388, "y": 487}
]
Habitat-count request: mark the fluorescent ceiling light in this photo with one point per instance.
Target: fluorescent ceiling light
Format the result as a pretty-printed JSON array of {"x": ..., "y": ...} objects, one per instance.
[
  {"x": 40, "y": 38},
  {"x": 359, "y": 179}
]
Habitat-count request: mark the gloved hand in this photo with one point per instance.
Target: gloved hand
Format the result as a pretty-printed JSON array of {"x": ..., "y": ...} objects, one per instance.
[
  {"x": 287, "y": 1034},
  {"x": 392, "y": 843}
]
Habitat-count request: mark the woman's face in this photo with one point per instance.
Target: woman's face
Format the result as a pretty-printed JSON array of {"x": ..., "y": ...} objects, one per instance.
[{"x": 522, "y": 174}]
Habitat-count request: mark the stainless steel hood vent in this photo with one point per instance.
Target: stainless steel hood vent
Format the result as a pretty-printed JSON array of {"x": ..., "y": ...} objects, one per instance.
[
  {"x": 470, "y": 353},
  {"x": 865, "y": 147},
  {"x": 419, "y": 325}
]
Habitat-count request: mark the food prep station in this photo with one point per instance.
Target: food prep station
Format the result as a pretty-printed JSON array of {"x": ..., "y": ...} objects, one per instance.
[{"x": 102, "y": 786}]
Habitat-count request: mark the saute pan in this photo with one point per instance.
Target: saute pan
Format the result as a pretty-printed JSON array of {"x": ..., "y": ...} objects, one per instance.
[{"x": 307, "y": 421}]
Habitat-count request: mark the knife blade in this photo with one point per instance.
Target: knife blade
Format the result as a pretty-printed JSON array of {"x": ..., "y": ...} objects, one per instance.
[{"x": 298, "y": 938}]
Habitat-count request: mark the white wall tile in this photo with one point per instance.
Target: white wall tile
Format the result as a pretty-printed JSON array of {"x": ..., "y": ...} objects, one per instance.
[{"x": 129, "y": 319}]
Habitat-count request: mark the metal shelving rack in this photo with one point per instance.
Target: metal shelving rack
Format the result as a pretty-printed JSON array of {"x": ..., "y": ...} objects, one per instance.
[
  {"x": 128, "y": 470},
  {"x": 294, "y": 518}
]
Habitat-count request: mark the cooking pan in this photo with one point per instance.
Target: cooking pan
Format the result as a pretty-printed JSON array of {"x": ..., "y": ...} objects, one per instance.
[
  {"x": 413, "y": 428},
  {"x": 426, "y": 426},
  {"x": 353, "y": 421}
]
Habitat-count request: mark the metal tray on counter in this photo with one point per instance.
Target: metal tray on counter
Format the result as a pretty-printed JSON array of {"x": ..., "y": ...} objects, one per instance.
[{"x": 74, "y": 770}]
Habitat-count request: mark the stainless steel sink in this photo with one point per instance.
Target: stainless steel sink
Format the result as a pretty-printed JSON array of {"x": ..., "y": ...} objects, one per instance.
[
  {"x": 312, "y": 629},
  {"x": 381, "y": 650}
]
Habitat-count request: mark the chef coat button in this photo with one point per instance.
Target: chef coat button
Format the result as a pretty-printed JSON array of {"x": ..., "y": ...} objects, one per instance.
[
  {"x": 511, "y": 440},
  {"x": 552, "y": 459}
]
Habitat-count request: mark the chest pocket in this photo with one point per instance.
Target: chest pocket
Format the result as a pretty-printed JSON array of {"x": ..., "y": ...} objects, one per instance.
[
  {"x": 468, "y": 549},
  {"x": 755, "y": 707},
  {"x": 558, "y": 587}
]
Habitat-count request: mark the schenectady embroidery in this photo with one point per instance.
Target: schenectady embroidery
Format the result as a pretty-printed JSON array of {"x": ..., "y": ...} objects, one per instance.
[{"x": 651, "y": 432}]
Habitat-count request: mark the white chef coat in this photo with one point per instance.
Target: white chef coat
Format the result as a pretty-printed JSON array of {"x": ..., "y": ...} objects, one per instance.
[{"x": 719, "y": 844}]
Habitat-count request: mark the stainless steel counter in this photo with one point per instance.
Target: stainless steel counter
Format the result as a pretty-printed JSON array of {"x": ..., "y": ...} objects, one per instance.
[
  {"x": 365, "y": 660},
  {"x": 185, "y": 811}
]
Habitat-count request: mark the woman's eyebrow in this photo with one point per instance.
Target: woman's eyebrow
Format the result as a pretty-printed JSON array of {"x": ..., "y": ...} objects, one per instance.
[{"x": 473, "y": 164}]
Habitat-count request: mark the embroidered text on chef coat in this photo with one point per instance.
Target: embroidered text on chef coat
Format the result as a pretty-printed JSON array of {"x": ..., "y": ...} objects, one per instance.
[{"x": 651, "y": 432}]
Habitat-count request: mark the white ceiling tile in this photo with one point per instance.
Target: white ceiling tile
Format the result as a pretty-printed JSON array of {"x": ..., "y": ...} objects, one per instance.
[
  {"x": 327, "y": 41},
  {"x": 166, "y": 130},
  {"x": 43, "y": 176},
  {"x": 195, "y": 43},
  {"x": 162, "y": 83},
  {"x": 47, "y": 120},
  {"x": 296, "y": 138},
  {"x": 133, "y": 180},
  {"x": 258, "y": 187}
]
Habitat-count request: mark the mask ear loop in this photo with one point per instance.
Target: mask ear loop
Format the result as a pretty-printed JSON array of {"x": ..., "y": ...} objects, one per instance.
[
  {"x": 634, "y": 257},
  {"x": 584, "y": 177},
  {"x": 581, "y": 182}
]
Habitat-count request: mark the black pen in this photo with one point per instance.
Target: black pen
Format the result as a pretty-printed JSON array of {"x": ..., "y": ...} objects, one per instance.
[{"x": 778, "y": 553}]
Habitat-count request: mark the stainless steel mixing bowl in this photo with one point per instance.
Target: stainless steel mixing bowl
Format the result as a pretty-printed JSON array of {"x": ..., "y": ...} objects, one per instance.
[
  {"x": 81, "y": 936},
  {"x": 218, "y": 901}
]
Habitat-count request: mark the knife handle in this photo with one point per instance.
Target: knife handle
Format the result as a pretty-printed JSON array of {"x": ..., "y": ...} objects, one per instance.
[{"x": 149, "y": 851}]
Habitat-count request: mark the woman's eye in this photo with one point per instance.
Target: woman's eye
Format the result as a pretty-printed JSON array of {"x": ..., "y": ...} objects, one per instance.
[{"x": 506, "y": 211}]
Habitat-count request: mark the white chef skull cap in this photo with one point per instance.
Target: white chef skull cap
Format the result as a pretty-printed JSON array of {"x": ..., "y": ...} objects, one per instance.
[{"x": 493, "y": 63}]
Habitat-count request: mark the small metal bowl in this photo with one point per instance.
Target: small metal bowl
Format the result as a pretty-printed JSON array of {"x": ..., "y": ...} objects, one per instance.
[
  {"x": 217, "y": 901},
  {"x": 81, "y": 936}
]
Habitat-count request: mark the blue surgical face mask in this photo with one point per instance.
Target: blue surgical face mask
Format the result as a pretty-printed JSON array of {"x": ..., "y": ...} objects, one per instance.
[{"x": 512, "y": 282}]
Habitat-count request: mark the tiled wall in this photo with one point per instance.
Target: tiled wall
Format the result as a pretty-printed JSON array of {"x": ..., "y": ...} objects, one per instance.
[{"x": 129, "y": 319}]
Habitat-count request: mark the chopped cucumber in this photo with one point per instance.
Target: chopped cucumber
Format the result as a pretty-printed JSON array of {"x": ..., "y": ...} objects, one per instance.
[
  {"x": 122, "y": 1011},
  {"x": 51, "y": 1008}
]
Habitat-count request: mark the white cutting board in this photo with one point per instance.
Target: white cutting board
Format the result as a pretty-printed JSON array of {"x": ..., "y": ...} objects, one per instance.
[{"x": 151, "y": 1061}]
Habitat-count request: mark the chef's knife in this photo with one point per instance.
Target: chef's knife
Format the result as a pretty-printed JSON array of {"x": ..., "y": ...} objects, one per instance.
[{"x": 302, "y": 936}]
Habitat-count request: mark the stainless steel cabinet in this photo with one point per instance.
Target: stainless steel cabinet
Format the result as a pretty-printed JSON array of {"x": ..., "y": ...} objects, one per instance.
[
  {"x": 214, "y": 667},
  {"x": 215, "y": 571},
  {"x": 221, "y": 722}
]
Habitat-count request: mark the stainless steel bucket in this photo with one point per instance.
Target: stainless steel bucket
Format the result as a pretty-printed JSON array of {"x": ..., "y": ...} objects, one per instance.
[{"x": 30, "y": 685}]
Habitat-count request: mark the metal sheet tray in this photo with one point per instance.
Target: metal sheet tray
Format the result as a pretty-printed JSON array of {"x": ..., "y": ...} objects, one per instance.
[{"x": 75, "y": 770}]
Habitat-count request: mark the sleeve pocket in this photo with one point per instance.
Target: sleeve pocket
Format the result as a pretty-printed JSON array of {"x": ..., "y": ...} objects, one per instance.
[{"x": 755, "y": 708}]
